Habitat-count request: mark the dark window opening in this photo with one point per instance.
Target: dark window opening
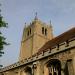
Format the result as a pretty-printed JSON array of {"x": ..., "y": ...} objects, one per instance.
[
  {"x": 45, "y": 31},
  {"x": 28, "y": 70},
  {"x": 67, "y": 43},
  {"x": 55, "y": 73},
  {"x": 28, "y": 33},
  {"x": 58, "y": 47},
  {"x": 50, "y": 73},
  {"x": 42, "y": 30},
  {"x": 30, "y": 30},
  {"x": 55, "y": 65}
]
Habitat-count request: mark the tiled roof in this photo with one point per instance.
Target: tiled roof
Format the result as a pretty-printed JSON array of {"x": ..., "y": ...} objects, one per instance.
[{"x": 59, "y": 39}]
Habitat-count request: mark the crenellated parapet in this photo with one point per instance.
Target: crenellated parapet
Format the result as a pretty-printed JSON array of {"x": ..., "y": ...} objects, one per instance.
[{"x": 63, "y": 47}]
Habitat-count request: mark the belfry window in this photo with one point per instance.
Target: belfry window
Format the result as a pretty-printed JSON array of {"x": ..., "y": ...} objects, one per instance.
[
  {"x": 42, "y": 30},
  {"x": 45, "y": 31}
]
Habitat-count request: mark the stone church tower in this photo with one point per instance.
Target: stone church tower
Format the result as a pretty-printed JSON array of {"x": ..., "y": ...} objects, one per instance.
[{"x": 34, "y": 37}]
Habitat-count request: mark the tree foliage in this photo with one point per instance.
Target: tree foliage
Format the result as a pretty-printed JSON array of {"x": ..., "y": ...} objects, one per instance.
[
  {"x": 3, "y": 42},
  {"x": 3, "y": 24}
]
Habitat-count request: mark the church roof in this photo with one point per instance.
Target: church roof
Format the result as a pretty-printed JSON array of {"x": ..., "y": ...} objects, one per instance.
[{"x": 57, "y": 40}]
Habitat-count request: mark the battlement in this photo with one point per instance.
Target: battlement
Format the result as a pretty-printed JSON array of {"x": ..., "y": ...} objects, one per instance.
[{"x": 64, "y": 46}]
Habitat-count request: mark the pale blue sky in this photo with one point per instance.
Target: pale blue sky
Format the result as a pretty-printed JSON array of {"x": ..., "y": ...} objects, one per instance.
[{"x": 17, "y": 12}]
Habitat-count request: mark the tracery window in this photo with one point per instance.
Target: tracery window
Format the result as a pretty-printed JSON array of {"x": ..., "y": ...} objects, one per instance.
[{"x": 54, "y": 67}]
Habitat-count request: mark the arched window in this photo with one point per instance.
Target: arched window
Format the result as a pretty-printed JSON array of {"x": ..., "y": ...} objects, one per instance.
[
  {"x": 54, "y": 67},
  {"x": 28, "y": 70}
]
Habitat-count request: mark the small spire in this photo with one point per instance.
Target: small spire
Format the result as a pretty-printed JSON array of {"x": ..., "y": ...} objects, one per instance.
[
  {"x": 36, "y": 18},
  {"x": 50, "y": 22},
  {"x": 25, "y": 25}
]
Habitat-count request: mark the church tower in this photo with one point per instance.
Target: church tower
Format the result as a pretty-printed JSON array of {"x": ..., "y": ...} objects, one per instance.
[{"x": 34, "y": 37}]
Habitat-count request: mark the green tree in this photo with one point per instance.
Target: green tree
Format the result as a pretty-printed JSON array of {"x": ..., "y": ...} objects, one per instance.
[{"x": 3, "y": 42}]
